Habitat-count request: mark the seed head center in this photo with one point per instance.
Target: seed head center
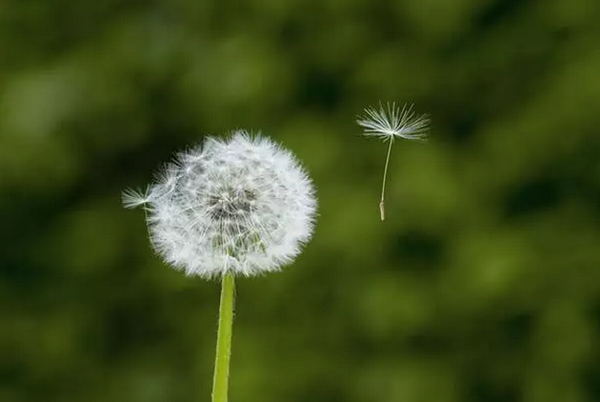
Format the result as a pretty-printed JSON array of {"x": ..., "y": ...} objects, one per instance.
[{"x": 230, "y": 204}]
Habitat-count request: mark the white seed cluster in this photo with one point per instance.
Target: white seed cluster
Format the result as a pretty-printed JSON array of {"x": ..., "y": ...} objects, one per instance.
[{"x": 243, "y": 205}]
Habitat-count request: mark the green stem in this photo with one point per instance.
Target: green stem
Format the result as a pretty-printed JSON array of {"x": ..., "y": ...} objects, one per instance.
[
  {"x": 221, "y": 378},
  {"x": 387, "y": 162}
]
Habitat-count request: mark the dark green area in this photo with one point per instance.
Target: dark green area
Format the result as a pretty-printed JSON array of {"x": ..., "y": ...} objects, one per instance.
[{"x": 483, "y": 284}]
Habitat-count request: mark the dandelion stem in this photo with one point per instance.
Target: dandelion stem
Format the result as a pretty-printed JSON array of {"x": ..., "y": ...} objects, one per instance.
[
  {"x": 387, "y": 162},
  {"x": 223, "y": 355}
]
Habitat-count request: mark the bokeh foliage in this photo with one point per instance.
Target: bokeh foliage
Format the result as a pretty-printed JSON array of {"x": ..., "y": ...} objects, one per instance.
[{"x": 483, "y": 285}]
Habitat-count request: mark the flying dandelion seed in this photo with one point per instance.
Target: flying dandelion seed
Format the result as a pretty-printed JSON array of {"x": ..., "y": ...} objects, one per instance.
[{"x": 391, "y": 122}]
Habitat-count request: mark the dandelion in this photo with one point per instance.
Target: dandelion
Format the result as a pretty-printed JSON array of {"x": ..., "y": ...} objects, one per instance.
[
  {"x": 391, "y": 122},
  {"x": 237, "y": 207}
]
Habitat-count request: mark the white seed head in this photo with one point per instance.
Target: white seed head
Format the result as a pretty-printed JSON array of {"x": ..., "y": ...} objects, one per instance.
[
  {"x": 243, "y": 205},
  {"x": 391, "y": 121}
]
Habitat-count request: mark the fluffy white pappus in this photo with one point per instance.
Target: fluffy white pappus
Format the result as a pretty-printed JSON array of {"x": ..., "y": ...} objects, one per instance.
[
  {"x": 243, "y": 205},
  {"x": 392, "y": 121}
]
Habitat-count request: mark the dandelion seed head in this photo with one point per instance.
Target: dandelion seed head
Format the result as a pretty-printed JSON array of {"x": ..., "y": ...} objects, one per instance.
[
  {"x": 391, "y": 121},
  {"x": 243, "y": 205}
]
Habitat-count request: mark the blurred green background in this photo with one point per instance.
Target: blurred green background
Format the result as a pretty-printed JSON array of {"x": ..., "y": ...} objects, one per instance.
[{"x": 483, "y": 284}]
